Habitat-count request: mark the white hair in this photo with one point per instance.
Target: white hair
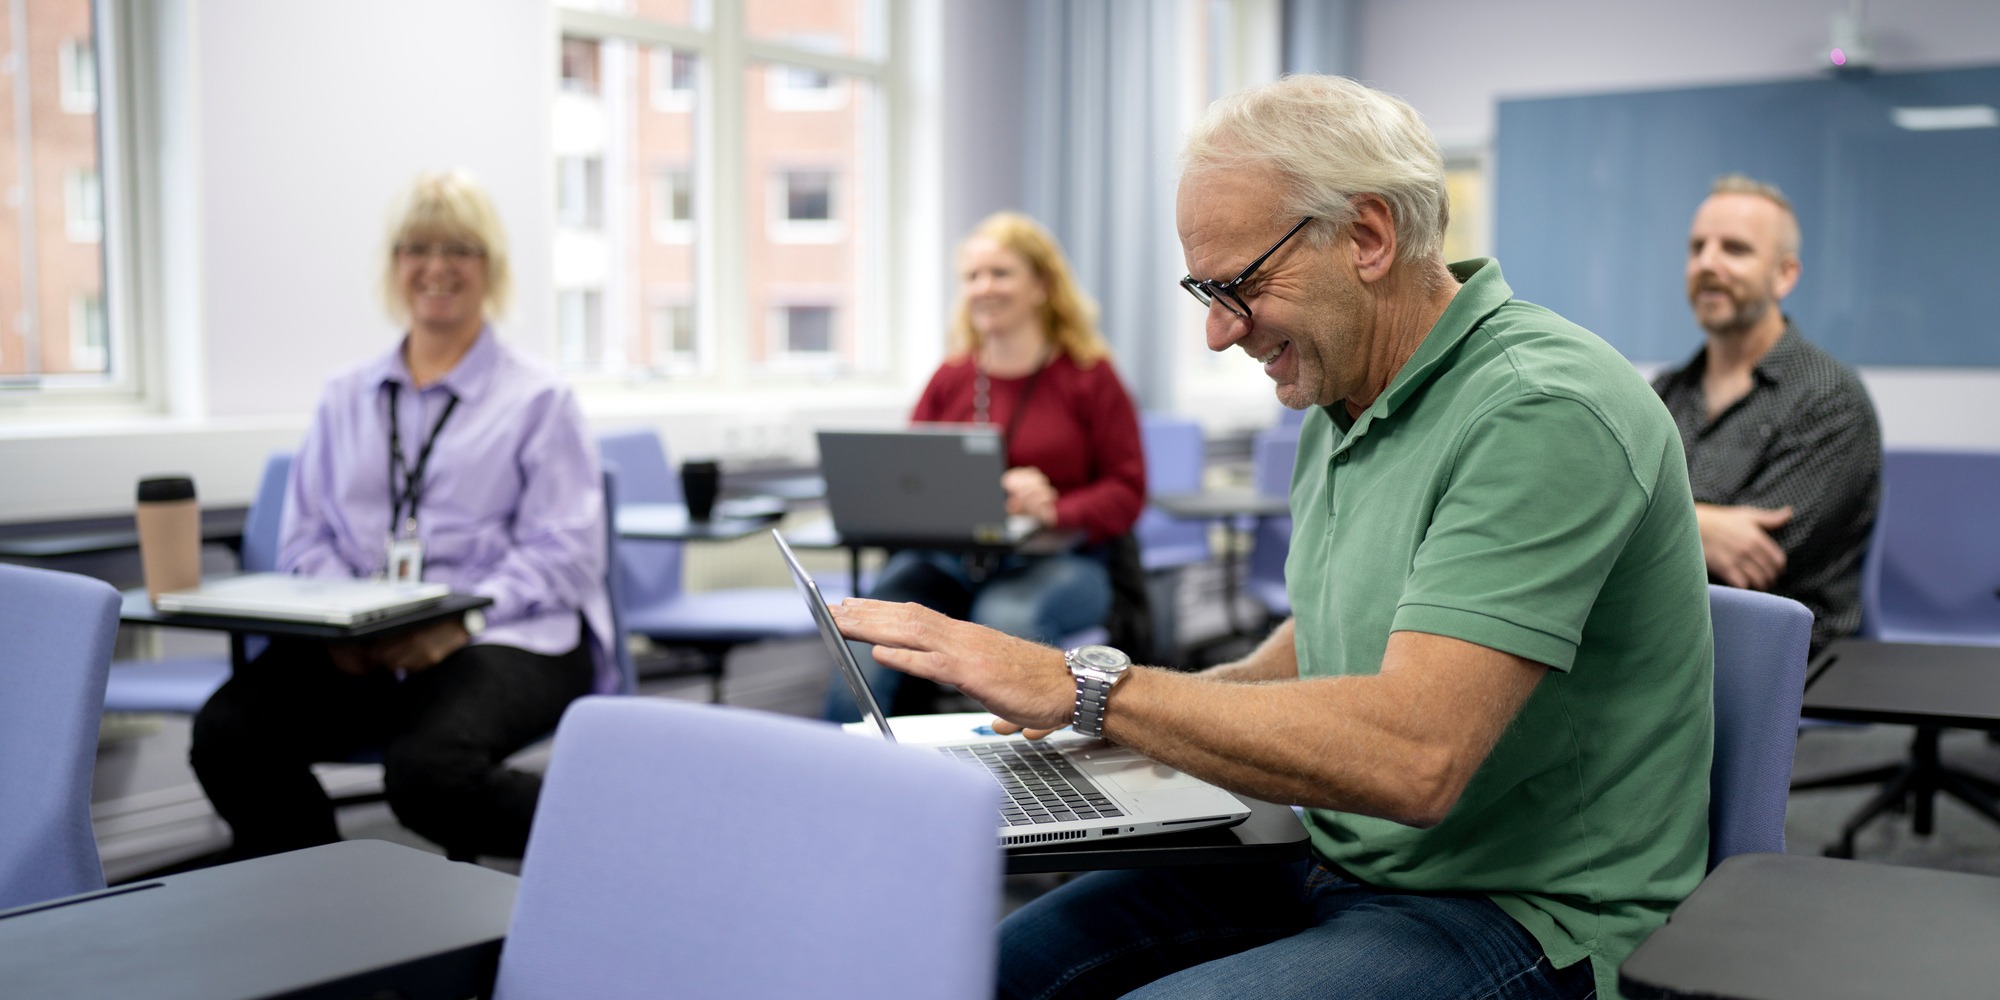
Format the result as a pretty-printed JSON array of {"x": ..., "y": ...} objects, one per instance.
[{"x": 1330, "y": 138}]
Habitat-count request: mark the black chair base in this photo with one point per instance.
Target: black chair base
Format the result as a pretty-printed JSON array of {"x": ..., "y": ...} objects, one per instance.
[
  {"x": 1910, "y": 787},
  {"x": 687, "y": 659}
]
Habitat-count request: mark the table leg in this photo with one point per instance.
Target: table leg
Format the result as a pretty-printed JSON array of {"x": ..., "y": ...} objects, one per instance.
[
  {"x": 239, "y": 655},
  {"x": 854, "y": 570}
]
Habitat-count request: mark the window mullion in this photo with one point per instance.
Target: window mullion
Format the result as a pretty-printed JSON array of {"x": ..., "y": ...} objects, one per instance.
[{"x": 725, "y": 265}]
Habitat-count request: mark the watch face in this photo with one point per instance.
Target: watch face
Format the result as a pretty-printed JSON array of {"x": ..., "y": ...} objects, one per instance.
[{"x": 1102, "y": 657}]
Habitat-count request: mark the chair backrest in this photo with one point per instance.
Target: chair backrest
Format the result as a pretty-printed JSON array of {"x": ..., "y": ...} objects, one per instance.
[
  {"x": 621, "y": 645},
  {"x": 1175, "y": 455},
  {"x": 649, "y": 571},
  {"x": 267, "y": 512},
  {"x": 1760, "y": 676},
  {"x": 56, "y": 631},
  {"x": 1272, "y": 453},
  {"x": 1934, "y": 569},
  {"x": 709, "y": 851}
]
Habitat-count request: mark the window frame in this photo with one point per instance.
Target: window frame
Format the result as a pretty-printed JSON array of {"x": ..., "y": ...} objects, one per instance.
[
  {"x": 130, "y": 109},
  {"x": 726, "y": 60}
]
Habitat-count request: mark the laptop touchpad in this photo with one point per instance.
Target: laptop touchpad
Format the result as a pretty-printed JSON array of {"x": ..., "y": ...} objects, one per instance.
[{"x": 1133, "y": 771}]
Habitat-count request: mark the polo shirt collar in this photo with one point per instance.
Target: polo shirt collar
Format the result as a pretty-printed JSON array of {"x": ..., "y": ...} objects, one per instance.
[
  {"x": 1482, "y": 291},
  {"x": 472, "y": 373}
]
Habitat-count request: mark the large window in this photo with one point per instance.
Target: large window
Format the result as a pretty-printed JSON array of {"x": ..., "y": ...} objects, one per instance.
[
  {"x": 55, "y": 334},
  {"x": 743, "y": 154}
]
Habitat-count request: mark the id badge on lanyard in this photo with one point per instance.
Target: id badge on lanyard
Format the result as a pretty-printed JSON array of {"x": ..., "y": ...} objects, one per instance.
[{"x": 405, "y": 562}]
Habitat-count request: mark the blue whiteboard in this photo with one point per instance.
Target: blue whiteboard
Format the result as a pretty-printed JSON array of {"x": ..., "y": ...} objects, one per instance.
[{"x": 1901, "y": 250}]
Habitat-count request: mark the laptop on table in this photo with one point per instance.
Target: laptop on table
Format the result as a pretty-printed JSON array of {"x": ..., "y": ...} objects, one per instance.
[
  {"x": 934, "y": 484},
  {"x": 1063, "y": 788},
  {"x": 315, "y": 600}
]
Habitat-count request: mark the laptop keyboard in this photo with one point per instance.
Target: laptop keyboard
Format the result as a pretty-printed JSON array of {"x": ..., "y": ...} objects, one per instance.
[{"x": 1042, "y": 786}]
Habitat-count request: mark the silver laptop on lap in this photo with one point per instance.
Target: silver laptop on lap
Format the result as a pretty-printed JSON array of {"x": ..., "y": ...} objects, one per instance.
[
  {"x": 1063, "y": 788},
  {"x": 937, "y": 483},
  {"x": 311, "y": 599}
]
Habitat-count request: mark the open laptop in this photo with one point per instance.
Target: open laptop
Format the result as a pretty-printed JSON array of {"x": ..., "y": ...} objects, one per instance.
[
  {"x": 318, "y": 600},
  {"x": 1063, "y": 788},
  {"x": 931, "y": 484}
]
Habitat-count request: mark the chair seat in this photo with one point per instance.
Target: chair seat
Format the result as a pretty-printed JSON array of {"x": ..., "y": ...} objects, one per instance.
[
  {"x": 737, "y": 615},
  {"x": 178, "y": 685}
]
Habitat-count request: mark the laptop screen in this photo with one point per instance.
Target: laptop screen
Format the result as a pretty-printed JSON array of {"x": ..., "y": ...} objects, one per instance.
[{"x": 836, "y": 643}]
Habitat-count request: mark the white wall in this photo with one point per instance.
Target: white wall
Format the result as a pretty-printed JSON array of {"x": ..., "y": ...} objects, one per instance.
[{"x": 1454, "y": 59}]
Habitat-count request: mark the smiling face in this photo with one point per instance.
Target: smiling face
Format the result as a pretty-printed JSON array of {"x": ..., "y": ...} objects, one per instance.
[
  {"x": 441, "y": 278},
  {"x": 1002, "y": 293},
  {"x": 1308, "y": 316},
  {"x": 1738, "y": 267}
]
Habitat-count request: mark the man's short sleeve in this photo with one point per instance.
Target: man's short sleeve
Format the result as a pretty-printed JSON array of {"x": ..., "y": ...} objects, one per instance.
[{"x": 1540, "y": 501}]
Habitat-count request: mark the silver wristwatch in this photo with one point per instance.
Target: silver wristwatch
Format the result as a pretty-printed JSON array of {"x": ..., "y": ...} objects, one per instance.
[{"x": 1096, "y": 669}]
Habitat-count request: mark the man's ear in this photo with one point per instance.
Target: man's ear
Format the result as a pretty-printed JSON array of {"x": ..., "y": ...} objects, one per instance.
[
  {"x": 1788, "y": 276},
  {"x": 1372, "y": 237}
]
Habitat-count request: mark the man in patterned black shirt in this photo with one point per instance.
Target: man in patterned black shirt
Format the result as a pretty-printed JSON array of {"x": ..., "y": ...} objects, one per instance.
[{"x": 1782, "y": 444}]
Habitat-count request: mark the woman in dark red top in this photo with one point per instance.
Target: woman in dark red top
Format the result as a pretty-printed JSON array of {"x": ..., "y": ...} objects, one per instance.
[{"x": 1025, "y": 357}]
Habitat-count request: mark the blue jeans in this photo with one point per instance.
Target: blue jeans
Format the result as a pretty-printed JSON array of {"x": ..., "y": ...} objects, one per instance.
[
  {"x": 1269, "y": 931},
  {"x": 1042, "y": 598}
]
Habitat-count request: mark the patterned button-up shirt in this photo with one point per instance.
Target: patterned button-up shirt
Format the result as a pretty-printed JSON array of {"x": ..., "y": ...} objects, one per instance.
[{"x": 1805, "y": 436}]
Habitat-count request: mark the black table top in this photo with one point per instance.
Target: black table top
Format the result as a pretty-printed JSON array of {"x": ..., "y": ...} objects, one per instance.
[
  {"x": 1272, "y": 834},
  {"x": 1784, "y": 926},
  {"x": 222, "y": 524},
  {"x": 731, "y": 520},
  {"x": 1213, "y": 504},
  {"x": 361, "y": 918},
  {"x": 1860, "y": 680},
  {"x": 823, "y": 535},
  {"x": 137, "y": 609}
]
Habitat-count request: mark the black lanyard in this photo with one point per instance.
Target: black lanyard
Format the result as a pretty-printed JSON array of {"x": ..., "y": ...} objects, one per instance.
[{"x": 406, "y": 484}]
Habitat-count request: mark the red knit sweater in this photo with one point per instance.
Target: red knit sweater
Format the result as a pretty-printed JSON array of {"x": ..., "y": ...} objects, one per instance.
[{"x": 1080, "y": 429}]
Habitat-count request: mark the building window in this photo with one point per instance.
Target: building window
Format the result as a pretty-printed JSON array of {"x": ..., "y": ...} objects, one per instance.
[
  {"x": 673, "y": 205},
  {"x": 804, "y": 329},
  {"x": 580, "y": 328},
  {"x": 579, "y": 66},
  {"x": 790, "y": 87},
  {"x": 803, "y": 207},
  {"x": 89, "y": 336},
  {"x": 78, "y": 71},
  {"x": 673, "y": 73},
  {"x": 83, "y": 206},
  {"x": 580, "y": 192},
  {"x": 676, "y": 344}
]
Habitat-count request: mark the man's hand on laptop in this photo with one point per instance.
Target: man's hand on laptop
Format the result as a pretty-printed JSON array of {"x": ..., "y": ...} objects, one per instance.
[
  {"x": 1026, "y": 684},
  {"x": 1029, "y": 492}
]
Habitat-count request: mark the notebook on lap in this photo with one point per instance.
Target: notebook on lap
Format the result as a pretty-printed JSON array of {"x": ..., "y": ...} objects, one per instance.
[
  {"x": 937, "y": 484},
  {"x": 1063, "y": 788},
  {"x": 319, "y": 600}
]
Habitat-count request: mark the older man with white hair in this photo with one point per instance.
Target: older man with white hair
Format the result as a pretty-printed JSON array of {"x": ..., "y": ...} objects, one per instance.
[{"x": 1493, "y": 700}]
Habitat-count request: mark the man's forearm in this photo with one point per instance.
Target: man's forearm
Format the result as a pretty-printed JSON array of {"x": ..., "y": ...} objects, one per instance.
[{"x": 1274, "y": 659}]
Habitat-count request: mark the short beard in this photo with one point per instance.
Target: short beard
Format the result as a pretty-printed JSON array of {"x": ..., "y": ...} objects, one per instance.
[{"x": 1747, "y": 316}]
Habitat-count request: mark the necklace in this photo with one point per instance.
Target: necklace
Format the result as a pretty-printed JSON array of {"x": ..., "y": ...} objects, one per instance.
[{"x": 982, "y": 390}]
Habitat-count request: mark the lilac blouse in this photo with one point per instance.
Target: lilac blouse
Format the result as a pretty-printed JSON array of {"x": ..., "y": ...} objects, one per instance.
[{"x": 512, "y": 501}]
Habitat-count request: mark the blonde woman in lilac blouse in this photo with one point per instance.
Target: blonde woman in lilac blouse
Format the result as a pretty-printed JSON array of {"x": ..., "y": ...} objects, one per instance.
[{"x": 451, "y": 458}]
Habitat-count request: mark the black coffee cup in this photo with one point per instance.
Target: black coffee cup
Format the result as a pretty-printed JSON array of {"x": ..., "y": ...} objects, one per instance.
[{"x": 700, "y": 482}]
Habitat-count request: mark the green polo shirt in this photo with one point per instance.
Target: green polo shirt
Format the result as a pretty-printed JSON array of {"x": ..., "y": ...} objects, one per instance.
[{"x": 1520, "y": 486}]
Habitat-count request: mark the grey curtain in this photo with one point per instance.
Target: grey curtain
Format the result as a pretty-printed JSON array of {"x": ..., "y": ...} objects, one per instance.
[{"x": 1099, "y": 144}]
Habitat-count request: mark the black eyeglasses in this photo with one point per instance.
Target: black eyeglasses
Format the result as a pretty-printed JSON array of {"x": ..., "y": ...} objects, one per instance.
[
  {"x": 450, "y": 250},
  {"x": 1207, "y": 291}
]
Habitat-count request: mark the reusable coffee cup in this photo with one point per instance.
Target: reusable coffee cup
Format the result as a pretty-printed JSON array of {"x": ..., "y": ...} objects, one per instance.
[
  {"x": 700, "y": 482},
  {"x": 169, "y": 534}
]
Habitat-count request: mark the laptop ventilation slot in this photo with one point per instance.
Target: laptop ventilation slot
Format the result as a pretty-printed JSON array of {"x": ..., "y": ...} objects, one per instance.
[{"x": 1018, "y": 840}]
